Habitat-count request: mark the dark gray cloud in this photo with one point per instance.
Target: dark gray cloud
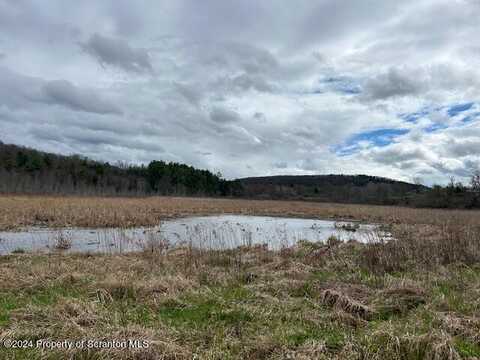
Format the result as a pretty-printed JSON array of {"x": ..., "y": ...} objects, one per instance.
[
  {"x": 280, "y": 165},
  {"x": 64, "y": 93},
  {"x": 245, "y": 82},
  {"x": 395, "y": 82},
  {"x": 397, "y": 155},
  {"x": 20, "y": 91},
  {"x": 117, "y": 52},
  {"x": 251, "y": 58},
  {"x": 16, "y": 89},
  {"x": 463, "y": 148},
  {"x": 222, "y": 115},
  {"x": 191, "y": 93},
  {"x": 416, "y": 81}
]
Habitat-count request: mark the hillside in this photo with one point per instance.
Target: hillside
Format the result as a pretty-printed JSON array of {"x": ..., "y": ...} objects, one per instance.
[
  {"x": 25, "y": 170},
  {"x": 29, "y": 171},
  {"x": 336, "y": 188}
]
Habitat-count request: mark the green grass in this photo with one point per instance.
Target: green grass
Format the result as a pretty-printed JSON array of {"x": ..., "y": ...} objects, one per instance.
[
  {"x": 43, "y": 296},
  {"x": 324, "y": 275},
  {"x": 332, "y": 336},
  {"x": 8, "y": 302},
  {"x": 305, "y": 290},
  {"x": 50, "y": 294},
  {"x": 467, "y": 348},
  {"x": 219, "y": 308},
  {"x": 215, "y": 313}
]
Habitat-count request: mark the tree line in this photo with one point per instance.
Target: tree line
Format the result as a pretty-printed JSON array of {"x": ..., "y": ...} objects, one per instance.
[
  {"x": 24, "y": 170},
  {"x": 455, "y": 195},
  {"x": 364, "y": 189},
  {"x": 28, "y": 171}
]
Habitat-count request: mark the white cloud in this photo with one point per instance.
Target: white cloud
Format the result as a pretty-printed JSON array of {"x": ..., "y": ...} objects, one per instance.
[{"x": 246, "y": 83}]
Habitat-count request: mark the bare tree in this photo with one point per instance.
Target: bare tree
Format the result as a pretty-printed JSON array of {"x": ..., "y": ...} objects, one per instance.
[
  {"x": 452, "y": 182},
  {"x": 475, "y": 181},
  {"x": 417, "y": 180}
]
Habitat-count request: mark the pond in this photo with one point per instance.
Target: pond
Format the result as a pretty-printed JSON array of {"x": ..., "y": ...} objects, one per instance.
[{"x": 206, "y": 232}]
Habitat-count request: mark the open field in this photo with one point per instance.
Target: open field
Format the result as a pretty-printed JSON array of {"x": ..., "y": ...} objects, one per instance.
[
  {"x": 18, "y": 211},
  {"x": 413, "y": 298},
  {"x": 308, "y": 302}
]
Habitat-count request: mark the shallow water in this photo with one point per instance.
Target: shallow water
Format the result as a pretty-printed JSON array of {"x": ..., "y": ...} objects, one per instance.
[{"x": 207, "y": 232}]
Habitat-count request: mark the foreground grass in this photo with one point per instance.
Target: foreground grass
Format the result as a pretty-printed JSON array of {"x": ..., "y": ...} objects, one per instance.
[{"x": 309, "y": 302}]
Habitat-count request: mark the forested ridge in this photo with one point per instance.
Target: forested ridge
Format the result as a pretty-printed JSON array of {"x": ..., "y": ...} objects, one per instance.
[
  {"x": 29, "y": 171},
  {"x": 25, "y": 170},
  {"x": 364, "y": 189},
  {"x": 337, "y": 188}
]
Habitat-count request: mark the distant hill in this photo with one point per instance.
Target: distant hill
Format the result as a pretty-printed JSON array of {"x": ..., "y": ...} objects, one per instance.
[
  {"x": 331, "y": 179},
  {"x": 29, "y": 171},
  {"x": 336, "y": 188}
]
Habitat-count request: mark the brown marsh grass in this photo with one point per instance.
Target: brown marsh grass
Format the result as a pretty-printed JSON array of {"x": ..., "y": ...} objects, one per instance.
[
  {"x": 18, "y": 211},
  {"x": 246, "y": 303},
  {"x": 416, "y": 297}
]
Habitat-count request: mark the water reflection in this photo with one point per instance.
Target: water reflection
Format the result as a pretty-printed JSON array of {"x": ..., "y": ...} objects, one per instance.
[{"x": 210, "y": 232}]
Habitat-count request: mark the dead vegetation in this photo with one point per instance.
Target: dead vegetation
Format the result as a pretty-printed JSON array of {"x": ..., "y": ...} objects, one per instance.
[
  {"x": 336, "y": 299},
  {"x": 413, "y": 298},
  {"x": 425, "y": 248},
  {"x": 246, "y": 303},
  {"x": 56, "y": 211},
  {"x": 62, "y": 241}
]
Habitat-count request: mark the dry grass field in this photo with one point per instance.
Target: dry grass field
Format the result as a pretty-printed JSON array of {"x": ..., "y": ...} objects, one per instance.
[
  {"x": 56, "y": 211},
  {"x": 417, "y": 297}
]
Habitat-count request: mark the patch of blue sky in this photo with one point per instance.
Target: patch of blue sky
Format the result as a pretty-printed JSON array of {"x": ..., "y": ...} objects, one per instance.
[
  {"x": 434, "y": 127},
  {"x": 380, "y": 137},
  {"x": 350, "y": 90},
  {"x": 342, "y": 150},
  {"x": 415, "y": 116},
  {"x": 376, "y": 138},
  {"x": 471, "y": 117},
  {"x": 459, "y": 108}
]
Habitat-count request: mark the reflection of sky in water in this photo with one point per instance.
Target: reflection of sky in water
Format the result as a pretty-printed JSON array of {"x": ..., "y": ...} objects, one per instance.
[{"x": 212, "y": 232}]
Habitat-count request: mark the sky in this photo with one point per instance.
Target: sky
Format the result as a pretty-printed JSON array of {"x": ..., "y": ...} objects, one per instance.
[{"x": 248, "y": 88}]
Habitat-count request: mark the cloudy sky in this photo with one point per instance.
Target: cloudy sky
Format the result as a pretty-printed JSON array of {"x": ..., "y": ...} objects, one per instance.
[{"x": 385, "y": 87}]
